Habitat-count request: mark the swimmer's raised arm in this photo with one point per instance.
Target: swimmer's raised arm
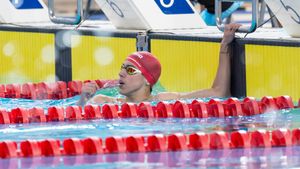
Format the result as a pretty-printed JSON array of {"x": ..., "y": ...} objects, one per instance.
[{"x": 221, "y": 84}]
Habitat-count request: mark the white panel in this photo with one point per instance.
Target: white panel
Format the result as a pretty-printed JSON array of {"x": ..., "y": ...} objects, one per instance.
[
  {"x": 288, "y": 13},
  {"x": 122, "y": 14},
  {"x": 152, "y": 14},
  {"x": 10, "y": 13}
]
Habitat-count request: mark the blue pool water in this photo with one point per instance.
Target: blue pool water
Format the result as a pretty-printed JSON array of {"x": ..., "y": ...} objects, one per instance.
[
  {"x": 279, "y": 157},
  {"x": 139, "y": 126}
]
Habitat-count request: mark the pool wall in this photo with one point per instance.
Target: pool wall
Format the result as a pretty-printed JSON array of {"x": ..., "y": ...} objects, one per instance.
[{"x": 259, "y": 66}]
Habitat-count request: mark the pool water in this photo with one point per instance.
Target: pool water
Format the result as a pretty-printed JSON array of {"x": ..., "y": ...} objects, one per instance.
[
  {"x": 142, "y": 126},
  {"x": 279, "y": 157}
]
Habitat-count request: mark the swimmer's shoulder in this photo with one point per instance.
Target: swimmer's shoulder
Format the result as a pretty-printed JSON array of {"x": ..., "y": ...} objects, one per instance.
[
  {"x": 99, "y": 99},
  {"x": 166, "y": 96}
]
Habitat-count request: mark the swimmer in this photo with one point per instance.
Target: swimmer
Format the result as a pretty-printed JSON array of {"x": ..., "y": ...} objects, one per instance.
[{"x": 141, "y": 70}]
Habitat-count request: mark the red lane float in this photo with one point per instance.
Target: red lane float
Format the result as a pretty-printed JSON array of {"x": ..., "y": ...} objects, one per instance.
[
  {"x": 260, "y": 138},
  {"x": 73, "y": 146},
  {"x": 250, "y": 107},
  {"x": 36, "y": 114},
  {"x": 115, "y": 145},
  {"x": 199, "y": 109},
  {"x": 62, "y": 90},
  {"x": 109, "y": 111},
  {"x": 57, "y": 90},
  {"x": 30, "y": 148},
  {"x": 8, "y": 149},
  {"x": 92, "y": 145},
  {"x": 268, "y": 103},
  {"x": 135, "y": 144},
  {"x": 164, "y": 110},
  {"x": 233, "y": 107},
  {"x": 50, "y": 147},
  {"x": 92, "y": 112},
  {"x": 281, "y": 137},
  {"x": 219, "y": 140},
  {"x": 284, "y": 102},
  {"x": 43, "y": 91},
  {"x": 181, "y": 110},
  {"x": 12, "y": 91},
  {"x": 296, "y": 137},
  {"x": 240, "y": 139},
  {"x": 4, "y": 117},
  {"x": 158, "y": 143},
  {"x": 56, "y": 114},
  {"x": 19, "y": 115},
  {"x": 74, "y": 113},
  {"x": 74, "y": 88},
  {"x": 28, "y": 91},
  {"x": 177, "y": 142},
  {"x": 145, "y": 110},
  {"x": 128, "y": 110},
  {"x": 215, "y": 108},
  {"x": 2, "y": 90},
  {"x": 199, "y": 140}
]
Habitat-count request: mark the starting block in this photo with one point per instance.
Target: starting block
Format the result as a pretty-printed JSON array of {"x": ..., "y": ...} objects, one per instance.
[
  {"x": 152, "y": 14},
  {"x": 288, "y": 14},
  {"x": 23, "y": 11}
]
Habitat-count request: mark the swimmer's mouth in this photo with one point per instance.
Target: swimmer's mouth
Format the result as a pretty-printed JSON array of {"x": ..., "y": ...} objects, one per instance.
[{"x": 121, "y": 83}]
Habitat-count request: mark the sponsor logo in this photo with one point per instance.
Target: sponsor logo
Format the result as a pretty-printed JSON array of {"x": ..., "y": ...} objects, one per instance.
[
  {"x": 293, "y": 13},
  {"x": 26, "y": 4},
  {"x": 115, "y": 8},
  {"x": 174, "y": 7}
]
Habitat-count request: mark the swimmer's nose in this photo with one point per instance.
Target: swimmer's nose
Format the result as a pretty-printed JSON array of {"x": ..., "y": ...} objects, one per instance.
[{"x": 122, "y": 73}]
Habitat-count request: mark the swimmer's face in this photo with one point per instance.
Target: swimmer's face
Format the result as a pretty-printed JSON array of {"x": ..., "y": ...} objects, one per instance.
[{"x": 131, "y": 79}]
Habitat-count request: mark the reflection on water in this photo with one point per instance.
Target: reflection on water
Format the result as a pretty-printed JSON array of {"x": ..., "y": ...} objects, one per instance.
[{"x": 279, "y": 157}]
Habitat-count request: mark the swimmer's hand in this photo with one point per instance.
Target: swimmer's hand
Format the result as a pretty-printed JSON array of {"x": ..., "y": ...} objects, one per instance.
[
  {"x": 229, "y": 33},
  {"x": 87, "y": 92}
]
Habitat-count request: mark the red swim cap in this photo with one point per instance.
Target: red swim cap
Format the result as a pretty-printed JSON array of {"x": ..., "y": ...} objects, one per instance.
[{"x": 147, "y": 64}]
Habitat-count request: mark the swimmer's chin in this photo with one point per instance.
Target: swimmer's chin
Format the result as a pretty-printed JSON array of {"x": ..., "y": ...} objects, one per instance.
[{"x": 120, "y": 90}]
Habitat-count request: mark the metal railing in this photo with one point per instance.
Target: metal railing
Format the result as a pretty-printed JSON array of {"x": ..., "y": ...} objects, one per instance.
[
  {"x": 66, "y": 20},
  {"x": 245, "y": 29}
]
